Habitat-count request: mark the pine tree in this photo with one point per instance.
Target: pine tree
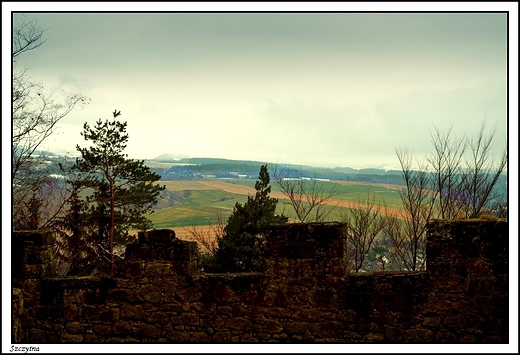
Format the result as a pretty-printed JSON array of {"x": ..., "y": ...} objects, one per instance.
[
  {"x": 33, "y": 209},
  {"x": 241, "y": 247},
  {"x": 118, "y": 192}
]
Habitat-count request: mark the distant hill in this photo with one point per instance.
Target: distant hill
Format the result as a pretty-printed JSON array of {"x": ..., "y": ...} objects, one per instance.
[
  {"x": 170, "y": 157},
  {"x": 188, "y": 168},
  {"x": 205, "y": 161}
]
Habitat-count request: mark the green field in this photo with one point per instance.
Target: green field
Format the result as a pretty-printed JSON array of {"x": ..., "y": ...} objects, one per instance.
[
  {"x": 349, "y": 191},
  {"x": 204, "y": 204},
  {"x": 201, "y": 208}
]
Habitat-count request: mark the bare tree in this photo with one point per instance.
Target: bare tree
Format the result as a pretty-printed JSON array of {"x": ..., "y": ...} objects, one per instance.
[
  {"x": 482, "y": 173},
  {"x": 465, "y": 190},
  {"x": 27, "y": 35},
  {"x": 307, "y": 196},
  {"x": 363, "y": 224},
  {"x": 461, "y": 183},
  {"x": 446, "y": 165},
  {"x": 35, "y": 115},
  {"x": 400, "y": 248},
  {"x": 207, "y": 238},
  {"x": 40, "y": 207},
  {"x": 408, "y": 235}
]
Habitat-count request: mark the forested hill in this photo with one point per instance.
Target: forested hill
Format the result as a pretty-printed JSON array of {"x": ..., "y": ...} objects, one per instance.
[{"x": 195, "y": 167}]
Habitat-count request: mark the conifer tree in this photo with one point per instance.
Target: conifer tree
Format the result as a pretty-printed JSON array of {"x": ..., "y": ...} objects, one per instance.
[
  {"x": 113, "y": 193},
  {"x": 241, "y": 246}
]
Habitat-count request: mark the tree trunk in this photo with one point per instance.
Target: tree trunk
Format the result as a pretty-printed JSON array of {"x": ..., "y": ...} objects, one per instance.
[{"x": 112, "y": 222}]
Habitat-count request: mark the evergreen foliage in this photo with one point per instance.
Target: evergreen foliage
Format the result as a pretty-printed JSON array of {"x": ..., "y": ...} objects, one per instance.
[
  {"x": 110, "y": 195},
  {"x": 241, "y": 247}
]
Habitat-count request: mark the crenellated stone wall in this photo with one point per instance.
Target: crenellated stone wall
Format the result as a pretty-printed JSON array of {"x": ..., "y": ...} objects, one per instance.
[{"x": 304, "y": 295}]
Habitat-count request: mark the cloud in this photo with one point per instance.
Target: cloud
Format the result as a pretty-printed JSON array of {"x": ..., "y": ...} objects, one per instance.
[{"x": 311, "y": 88}]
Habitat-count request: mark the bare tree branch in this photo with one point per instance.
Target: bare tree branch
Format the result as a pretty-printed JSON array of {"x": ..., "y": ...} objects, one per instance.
[
  {"x": 208, "y": 238},
  {"x": 307, "y": 196},
  {"x": 363, "y": 224},
  {"x": 445, "y": 163},
  {"x": 27, "y": 35},
  {"x": 418, "y": 202},
  {"x": 482, "y": 173},
  {"x": 35, "y": 116}
]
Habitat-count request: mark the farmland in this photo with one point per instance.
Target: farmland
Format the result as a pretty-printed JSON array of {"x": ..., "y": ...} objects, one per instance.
[{"x": 199, "y": 202}]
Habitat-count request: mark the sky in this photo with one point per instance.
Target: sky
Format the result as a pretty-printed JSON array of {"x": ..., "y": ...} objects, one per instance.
[{"x": 321, "y": 89}]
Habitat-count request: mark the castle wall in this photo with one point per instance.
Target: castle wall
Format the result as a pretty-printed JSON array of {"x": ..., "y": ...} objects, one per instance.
[{"x": 304, "y": 295}]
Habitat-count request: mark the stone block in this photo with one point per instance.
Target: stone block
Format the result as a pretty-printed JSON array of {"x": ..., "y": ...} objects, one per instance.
[
  {"x": 306, "y": 314},
  {"x": 281, "y": 337},
  {"x": 126, "y": 339},
  {"x": 329, "y": 329},
  {"x": 37, "y": 336},
  {"x": 102, "y": 329},
  {"x": 123, "y": 328},
  {"x": 158, "y": 317},
  {"x": 348, "y": 316},
  {"x": 222, "y": 293},
  {"x": 91, "y": 338},
  {"x": 418, "y": 335},
  {"x": 147, "y": 330},
  {"x": 121, "y": 295},
  {"x": 394, "y": 334},
  {"x": 272, "y": 326},
  {"x": 238, "y": 323},
  {"x": 190, "y": 319},
  {"x": 445, "y": 336},
  {"x": 184, "y": 267},
  {"x": 134, "y": 312},
  {"x": 221, "y": 337},
  {"x": 108, "y": 314},
  {"x": 149, "y": 293},
  {"x": 156, "y": 236},
  {"x": 71, "y": 338},
  {"x": 375, "y": 337},
  {"x": 158, "y": 268},
  {"x": 77, "y": 327},
  {"x": 432, "y": 322},
  {"x": 37, "y": 238},
  {"x": 291, "y": 249},
  {"x": 138, "y": 252},
  {"x": 295, "y": 327},
  {"x": 88, "y": 312},
  {"x": 324, "y": 298},
  {"x": 178, "y": 336},
  {"x": 199, "y": 337}
]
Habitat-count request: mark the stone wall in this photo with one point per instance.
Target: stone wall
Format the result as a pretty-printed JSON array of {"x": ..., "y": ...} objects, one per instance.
[
  {"x": 304, "y": 295},
  {"x": 17, "y": 312}
]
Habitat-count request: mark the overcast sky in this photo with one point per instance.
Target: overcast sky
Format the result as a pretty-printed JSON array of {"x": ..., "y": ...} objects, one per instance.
[{"x": 329, "y": 89}]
